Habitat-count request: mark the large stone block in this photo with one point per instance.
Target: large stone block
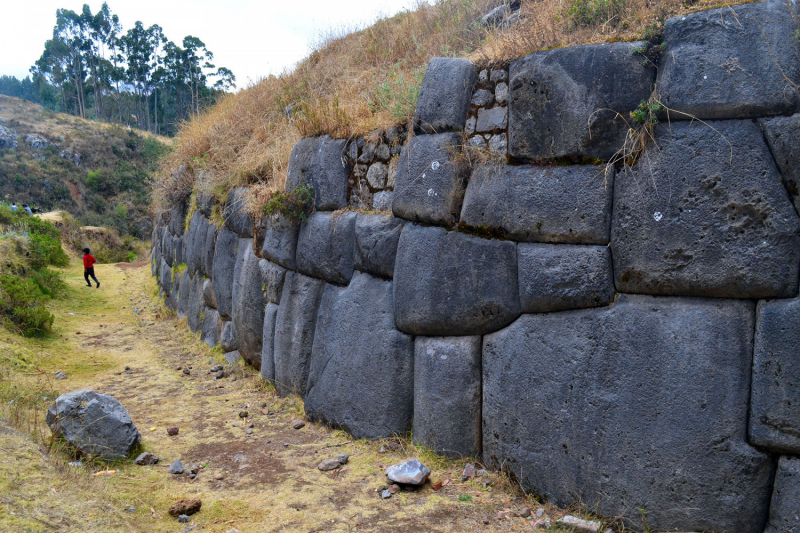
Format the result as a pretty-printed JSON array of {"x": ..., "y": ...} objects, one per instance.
[
  {"x": 294, "y": 332},
  {"x": 167, "y": 247},
  {"x": 326, "y": 246},
  {"x": 165, "y": 277},
  {"x": 445, "y": 95},
  {"x": 555, "y": 277},
  {"x": 429, "y": 185},
  {"x": 449, "y": 283},
  {"x": 447, "y": 395},
  {"x": 641, "y": 405},
  {"x": 574, "y": 101},
  {"x": 541, "y": 204},
  {"x": 784, "y": 511},
  {"x": 268, "y": 343},
  {"x": 227, "y": 339},
  {"x": 225, "y": 253},
  {"x": 248, "y": 308},
  {"x": 212, "y": 327},
  {"x": 782, "y": 134},
  {"x": 272, "y": 277},
  {"x": 376, "y": 244},
  {"x": 184, "y": 293},
  {"x": 362, "y": 369},
  {"x": 194, "y": 311},
  {"x": 177, "y": 218},
  {"x": 195, "y": 241},
  {"x": 179, "y": 246},
  {"x": 208, "y": 294},
  {"x": 280, "y": 241},
  {"x": 775, "y": 396},
  {"x": 236, "y": 215},
  {"x": 732, "y": 62},
  {"x": 704, "y": 214},
  {"x": 209, "y": 241},
  {"x": 322, "y": 163}
]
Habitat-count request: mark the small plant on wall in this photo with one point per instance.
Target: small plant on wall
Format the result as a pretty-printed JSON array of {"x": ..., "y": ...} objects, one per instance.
[{"x": 294, "y": 205}]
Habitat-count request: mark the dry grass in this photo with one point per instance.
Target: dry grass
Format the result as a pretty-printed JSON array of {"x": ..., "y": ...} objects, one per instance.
[{"x": 356, "y": 82}]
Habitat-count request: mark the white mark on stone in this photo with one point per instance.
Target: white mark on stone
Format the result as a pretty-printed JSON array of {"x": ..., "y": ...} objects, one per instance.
[
  {"x": 657, "y": 216},
  {"x": 705, "y": 77},
  {"x": 431, "y": 192},
  {"x": 435, "y": 165}
]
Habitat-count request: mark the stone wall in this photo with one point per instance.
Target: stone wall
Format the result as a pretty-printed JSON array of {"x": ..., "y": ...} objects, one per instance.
[{"x": 625, "y": 337}]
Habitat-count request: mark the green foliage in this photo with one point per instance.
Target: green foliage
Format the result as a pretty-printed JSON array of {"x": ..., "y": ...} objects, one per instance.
[
  {"x": 582, "y": 13},
  {"x": 22, "y": 305},
  {"x": 395, "y": 93},
  {"x": 44, "y": 244},
  {"x": 294, "y": 205},
  {"x": 654, "y": 44},
  {"x": 464, "y": 498},
  {"x": 647, "y": 113},
  {"x": 50, "y": 282}
]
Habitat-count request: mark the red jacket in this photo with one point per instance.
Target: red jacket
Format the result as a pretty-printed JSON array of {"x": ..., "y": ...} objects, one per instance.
[{"x": 88, "y": 261}]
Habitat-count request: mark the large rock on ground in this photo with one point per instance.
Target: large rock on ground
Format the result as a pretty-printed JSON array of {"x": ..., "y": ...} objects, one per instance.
[
  {"x": 449, "y": 283},
  {"x": 225, "y": 253},
  {"x": 447, "y": 395},
  {"x": 782, "y": 134},
  {"x": 268, "y": 343},
  {"x": 775, "y": 396},
  {"x": 326, "y": 246},
  {"x": 362, "y": 369},
  {"x": 194, "y": 311},
  {"x": 569, "y": 204},
  {"x": 95, "y": 424},
  {"x": 429, "y": 184},
  {"x": 445, "y": 95},
  {"x": 294, "y": 332},
  {"x": 212, "y": 327},
  {"x": 279, "y": 237},
  {"x": 248, "y": 309},
  {"x": 237, "y": 217},
  {"x": 732, "y": 62},
  {"x": 574, "y": 101},
  {"x": 784, "y": 511},
  {"x": 321, "y": 163},
  {"x": 272, "y": 277},
  {"x": 554, "y": 277},
  {"x": 376, "y": 244},
  {"x": 704, "y": 214},
  {"x": 615, "y": 407}
]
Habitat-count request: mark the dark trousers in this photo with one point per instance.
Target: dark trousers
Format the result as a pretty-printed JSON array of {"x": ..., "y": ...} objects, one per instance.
[{"x": 89, "y": 272}]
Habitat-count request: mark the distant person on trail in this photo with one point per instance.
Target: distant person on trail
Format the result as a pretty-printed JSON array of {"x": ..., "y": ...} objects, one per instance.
[
  {"x": 26, "y": 208},
  {"x": 14, "y": 206},
  {"x": 88, "y": 267}
]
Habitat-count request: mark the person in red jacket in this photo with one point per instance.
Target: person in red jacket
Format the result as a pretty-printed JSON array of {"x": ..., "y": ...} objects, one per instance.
[{"x": 88, "y": 267}]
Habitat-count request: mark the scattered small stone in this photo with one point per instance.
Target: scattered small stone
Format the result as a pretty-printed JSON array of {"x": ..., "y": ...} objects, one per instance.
[
  {"x": 187, "y": 371},
  {"x": 183, "y": 519},
  {"x": 235, "y": 425},
  {"x": 249, "y": 431},
  {"x": 211, "y": 361},
  {"x": 220, "y": 374},
  {"x": 437, "y": 485},
  {"x": 216, "y": 368},
  {"x": 219, "y": 476},
  {"x": 482, "y": 472},
  {"x": 329, "y": 464},
  {"x": 61, "y": 375},
  {"x": 131, "y": 509},
  {"x": 298, "y": 424},
  {"x": 234, "y": 378},
  {"x": 586, "y": 526},
  {"x": 382, "y": 450},
  {"x": 195, "y": 469},
  {"x": 176, "y": 467},
  {"x": 501, "y": 515},
  {"x": 172, "y": 431},
  {"x": 408, "y": 473},
  {"x": 394, "y": 488},
  {"x": 127, "y": 368},
  {"x": 386, "y": 494},
  {"x": 243, "y": 414},
  {"x": 251, "y": 425},
  {"x": 525, "y": 511},
  {"x": 264, "y": 405},
  {"x": 75, "y": 463},
  {"x": 343, "y": 458},
  {"x": 469, "y": 472},
  {"x": 539, "y": 512},
  {"x": 147, "y": 458},
  {"x": 192, "y": 476},
  {"x": 185, "y": 507}
]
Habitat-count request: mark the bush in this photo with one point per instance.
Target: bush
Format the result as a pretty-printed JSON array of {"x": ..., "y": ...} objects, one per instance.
[
  {"x": 50, "y": 282},
  {"x": 294, "y": 205},
  {"x": 22, "y": 305},
  {"x": 44, "y": 244},
  {"x": 582, "y": 13}
]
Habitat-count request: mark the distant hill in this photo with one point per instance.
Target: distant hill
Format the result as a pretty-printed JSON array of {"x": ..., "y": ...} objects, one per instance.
[{"x": 98, "y": 172}]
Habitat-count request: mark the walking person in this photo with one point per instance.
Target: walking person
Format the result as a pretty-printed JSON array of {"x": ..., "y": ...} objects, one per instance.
[{"x": 88, "y": 267}]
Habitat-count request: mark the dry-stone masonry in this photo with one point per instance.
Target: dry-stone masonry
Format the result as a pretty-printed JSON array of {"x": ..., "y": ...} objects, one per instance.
[{"x": 622, "y": 336}]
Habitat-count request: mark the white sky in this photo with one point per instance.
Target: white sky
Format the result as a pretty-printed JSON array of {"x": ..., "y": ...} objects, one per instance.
[{"x": 252, "y": 38}]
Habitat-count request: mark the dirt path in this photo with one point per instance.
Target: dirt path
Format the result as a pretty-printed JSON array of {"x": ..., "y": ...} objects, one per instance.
[{"x": 264, "y": 481}]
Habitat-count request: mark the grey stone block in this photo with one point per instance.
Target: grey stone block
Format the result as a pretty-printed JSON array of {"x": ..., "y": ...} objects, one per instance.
[
  {"x": 208, "y": 294},
  {"x": 194, "y": 311},
  {"x": 195, "y": 241},
  {"x": 775, "y": 396},
  {"x": 376, "y": 175},
  {"x": 574, "y": 101},
  {"x": 704, "y": 214},
  {"x": 382, "y": 201},
  {"x": 376, "y": 244},
  {"x": 177, "y": 218},
  {"x": 184, "y": 294},
  {"x": 227, "y": 339},
  {"x": 362, "y": 368},
  {"x": 569, "y": 204},
  {"x": 165, "y": 277},
  {"x": 241, "y": 250},
  {"x": 448, "y": 283},
  {"x": 482, "y": 98},
  {"x": 237, "y": 218},
  {"x": 492, "y": 119},
  {"x": 445, "y": 95},
  {"x": 782, "y": 135},
  {"x": 784, "y": 510},
  {"x": 209, "y": 241},
  {"x": 225, "y": 252},
  {"x": 555, "y": 277},
  {"x": 429, "y": 185},
  {"x": 272, "y": 277},
  {"x": 212, "y": 327},
  {"x": 322, "y": 163},
  {"x": 325, "y": 247},
  {"x": 248, "y": 308},
  {"x": 732, "y": 62},
  {"x": 641, "y": 405},
  {"x": 179, "y": 245},
  {"x": 280, "y": 241},
  {"x": 167, "y": 247},
  {"x": 294, "y": 332},
  {"x": 447, "y": 395},
  {"x": 268, "y": 343}
]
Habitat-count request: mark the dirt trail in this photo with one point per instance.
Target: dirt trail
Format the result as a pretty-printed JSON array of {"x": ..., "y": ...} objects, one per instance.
[{"x": 266, "y": 481}]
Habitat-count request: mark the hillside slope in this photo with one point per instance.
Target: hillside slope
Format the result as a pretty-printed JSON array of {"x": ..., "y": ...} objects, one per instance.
[{"x": 95, "y": 171}]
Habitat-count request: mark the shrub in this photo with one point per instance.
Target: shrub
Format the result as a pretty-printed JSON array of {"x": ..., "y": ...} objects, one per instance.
[
  {"x": 294, "y": 205},
  {"x": 22, "y": 305},
  {"x": 398, "y": 92},
  {"x": 584, "y": 13},
  {"x": 50, "y": 282}
]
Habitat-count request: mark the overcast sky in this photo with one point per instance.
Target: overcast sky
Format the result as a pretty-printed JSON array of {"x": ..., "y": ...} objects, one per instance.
[{"x": 253, "y": 38}]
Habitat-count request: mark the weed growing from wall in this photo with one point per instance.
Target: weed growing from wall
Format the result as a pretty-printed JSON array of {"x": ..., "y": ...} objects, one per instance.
[{"x": 294, "y": 205}]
